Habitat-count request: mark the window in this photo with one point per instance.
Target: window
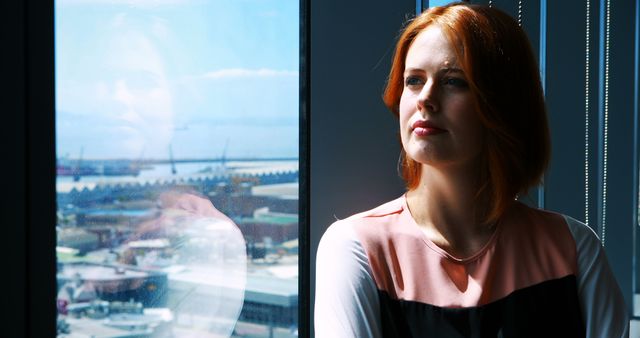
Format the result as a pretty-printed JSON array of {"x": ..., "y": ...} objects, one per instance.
[
  {"x": 346, "y": 160},
  {"x": 177, "y": 167}
]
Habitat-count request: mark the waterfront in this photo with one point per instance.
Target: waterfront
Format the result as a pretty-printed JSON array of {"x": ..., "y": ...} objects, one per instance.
[
  {"x": 223, "y": 240},
  {"x": 185, "y": 170}
]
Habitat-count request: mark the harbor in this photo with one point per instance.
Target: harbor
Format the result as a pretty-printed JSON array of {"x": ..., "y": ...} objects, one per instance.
[{"x": 179, "y": 249}]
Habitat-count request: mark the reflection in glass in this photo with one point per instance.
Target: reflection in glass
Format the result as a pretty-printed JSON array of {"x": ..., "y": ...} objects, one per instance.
[{"x": 177, "y": 186}]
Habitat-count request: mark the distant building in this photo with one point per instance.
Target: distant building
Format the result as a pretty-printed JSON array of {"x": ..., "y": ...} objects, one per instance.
[
  {"x": 279, "y": 227},
  {"x": 117, "y": 282},
  {"x": 79, "y": 239}
]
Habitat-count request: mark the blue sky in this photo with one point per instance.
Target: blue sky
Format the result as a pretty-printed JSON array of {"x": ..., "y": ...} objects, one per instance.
[{"x": 136, "y": 76}]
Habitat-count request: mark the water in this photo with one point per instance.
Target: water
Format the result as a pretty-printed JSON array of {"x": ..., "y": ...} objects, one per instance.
[
  {"x": 163, "y": 171},
  {"x": 118, "y": 212},
  {"x": 157, "y": 171}
]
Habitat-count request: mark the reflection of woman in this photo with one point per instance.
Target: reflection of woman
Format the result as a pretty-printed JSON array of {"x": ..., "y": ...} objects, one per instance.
[
  {"x": 457, "y": 255},
  {"x": 207, "y": 282}
]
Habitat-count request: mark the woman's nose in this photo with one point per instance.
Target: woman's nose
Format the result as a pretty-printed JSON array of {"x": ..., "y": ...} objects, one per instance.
[{"x": 428, "y": 98}]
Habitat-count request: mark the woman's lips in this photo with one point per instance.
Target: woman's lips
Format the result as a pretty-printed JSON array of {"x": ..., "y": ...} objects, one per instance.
[{"x": 426, "y": 128}]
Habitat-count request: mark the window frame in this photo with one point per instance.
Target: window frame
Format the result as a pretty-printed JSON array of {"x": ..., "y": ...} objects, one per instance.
[{"x": 29, "y": 201}]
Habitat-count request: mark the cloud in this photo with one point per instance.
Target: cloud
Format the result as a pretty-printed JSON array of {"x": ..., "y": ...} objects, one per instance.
[
  {"x": 118, "y": 20},
  {"x": 160, "y": 28},
  {"x": 101, "y": 90},
  {"x": 269, "y": 14},
  {"x": 243, "y": 72}
]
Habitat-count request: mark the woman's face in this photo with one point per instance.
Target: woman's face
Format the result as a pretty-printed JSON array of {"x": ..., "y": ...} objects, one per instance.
[{"x": 438, "y": 122}]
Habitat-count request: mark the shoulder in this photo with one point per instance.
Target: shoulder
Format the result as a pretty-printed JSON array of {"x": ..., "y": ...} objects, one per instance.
[
  {"x": 346, "y": 234},
  {"x": 539, "y": 217},
  {"x": 549, "y": 231},
  {"x": 377, "y": 224},
  {"x": 583, "y": 237},
  {"x": 389, "y": 208},
  {"x": 341, "y": 237},
  {"x": 555, "y": 219}
]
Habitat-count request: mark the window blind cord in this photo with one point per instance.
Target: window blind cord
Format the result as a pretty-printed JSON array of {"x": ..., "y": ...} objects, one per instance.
[
  {"x": 520, "y": 13},
  {"x": 606, "y": 122},
  {"x": 586, "y": 112}
]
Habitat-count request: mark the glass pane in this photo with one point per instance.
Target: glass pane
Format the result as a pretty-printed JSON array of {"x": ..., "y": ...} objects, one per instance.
[{"x": 177, "y": 168}]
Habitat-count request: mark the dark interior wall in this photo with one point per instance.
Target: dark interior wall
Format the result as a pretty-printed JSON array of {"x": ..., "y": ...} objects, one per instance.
[
  {"x": 12, "y": 170},
  {"x": 620, "y": 209},
  {"x": 611, "y": 211},
  {"x": 354, "y": 143},
  {"x": 28, "y": 168}
]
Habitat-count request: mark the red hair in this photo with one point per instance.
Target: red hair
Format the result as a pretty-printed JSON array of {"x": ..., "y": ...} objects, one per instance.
[{"x": 499, "y": 64}]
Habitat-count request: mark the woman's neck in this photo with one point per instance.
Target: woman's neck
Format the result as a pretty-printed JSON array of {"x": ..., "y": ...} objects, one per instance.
[{"x": 446, "y": 207}]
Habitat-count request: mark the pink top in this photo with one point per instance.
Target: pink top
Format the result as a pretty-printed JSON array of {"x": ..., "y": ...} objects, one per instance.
[
  {"x": 378, "y": 275},
  {"x": 400, "y": 256}
]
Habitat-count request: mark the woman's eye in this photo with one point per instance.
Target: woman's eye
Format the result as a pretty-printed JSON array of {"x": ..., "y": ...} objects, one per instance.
[
  {"x": 455, "y": 82},
  {"x": 413, "y": 81}
]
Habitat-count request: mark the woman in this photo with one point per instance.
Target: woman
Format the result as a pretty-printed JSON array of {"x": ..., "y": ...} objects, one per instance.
[{"x": 457, "y": 255}]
